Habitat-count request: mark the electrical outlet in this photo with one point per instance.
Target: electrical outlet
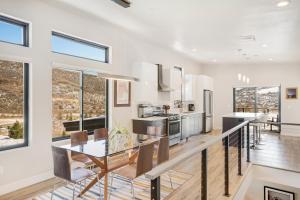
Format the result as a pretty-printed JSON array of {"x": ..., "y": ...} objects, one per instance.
[{"x": 1, "y": 170}]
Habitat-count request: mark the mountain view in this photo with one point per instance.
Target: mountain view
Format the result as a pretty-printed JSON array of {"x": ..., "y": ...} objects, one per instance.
[
  {"x": 11, "y": 103},
  {"x": 66, "y": 99}
]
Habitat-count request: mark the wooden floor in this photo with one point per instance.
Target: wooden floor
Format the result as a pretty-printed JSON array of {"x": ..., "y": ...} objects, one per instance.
[
  {"x": 273, "y": 148},
  {"x": 278, "y": 151}
]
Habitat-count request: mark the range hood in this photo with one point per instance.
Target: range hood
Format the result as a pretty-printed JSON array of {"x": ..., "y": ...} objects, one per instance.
[{"x": 164, "y": 79}]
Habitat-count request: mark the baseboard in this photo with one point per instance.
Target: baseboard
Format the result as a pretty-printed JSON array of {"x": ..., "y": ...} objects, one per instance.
[
  {"x": 11, "y": 187},
  {"x": 291, "y": 131}
]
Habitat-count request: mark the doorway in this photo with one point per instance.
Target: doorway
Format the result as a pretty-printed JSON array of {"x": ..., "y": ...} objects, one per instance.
[{"x": 265, "y": 100}]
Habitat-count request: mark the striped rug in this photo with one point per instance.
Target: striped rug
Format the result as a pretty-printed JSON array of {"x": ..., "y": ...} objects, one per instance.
[{"x": 121, "y": 190}]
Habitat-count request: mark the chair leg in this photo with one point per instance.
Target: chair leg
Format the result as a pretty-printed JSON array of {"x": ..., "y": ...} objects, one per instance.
[
  {"x": 99, "y": 183},
  {"x": 111, "y": 184},
  {"x": 132, "y": 189},
  {"x": 53, "y": 189},
  {"x": 171, "y": 183},
  {"x": 74, "y": 187}
]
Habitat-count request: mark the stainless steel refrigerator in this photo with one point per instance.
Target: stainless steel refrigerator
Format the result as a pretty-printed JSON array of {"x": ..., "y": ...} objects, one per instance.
[{"x": 208, "y": 110}]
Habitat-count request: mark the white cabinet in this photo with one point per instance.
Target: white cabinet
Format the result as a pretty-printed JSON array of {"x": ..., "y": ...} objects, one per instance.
[
  {"x": 194, "y": 86},
  {"x": 145, "y": 90},
  {"x": 191, "y": 124}
]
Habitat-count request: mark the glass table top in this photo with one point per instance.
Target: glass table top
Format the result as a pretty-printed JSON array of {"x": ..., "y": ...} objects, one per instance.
[{"x": 108, "y": 147}]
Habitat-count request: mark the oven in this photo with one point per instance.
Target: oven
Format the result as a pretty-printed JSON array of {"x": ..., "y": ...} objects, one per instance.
[{"x": 174, "y": 130}]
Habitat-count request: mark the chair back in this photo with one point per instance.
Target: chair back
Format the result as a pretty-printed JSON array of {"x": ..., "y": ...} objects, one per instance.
[
  {"x": 100, "y": 134},
  {"x": 145, "y": 159},
  {"x": 79, "y": 138},
  {"x": 163, "y": 150},
  {"x": 62, "y": 168}
]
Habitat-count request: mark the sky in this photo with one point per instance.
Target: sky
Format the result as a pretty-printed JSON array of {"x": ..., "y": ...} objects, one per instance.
[
  {"x": 14, "y": 34},
  {"x": 11, "y": 33}
]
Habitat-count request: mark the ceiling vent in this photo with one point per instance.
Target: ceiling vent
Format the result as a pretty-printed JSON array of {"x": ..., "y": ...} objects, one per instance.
[
  {"x": 248, "y": 37},
  {"x": 123, "y": 3}
]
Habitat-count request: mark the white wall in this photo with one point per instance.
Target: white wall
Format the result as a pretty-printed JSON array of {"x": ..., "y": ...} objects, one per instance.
[
  {"x": 226, "y": 77},
  {"x": 24, "y": 166},
  {"x": 252, "y": 187}
]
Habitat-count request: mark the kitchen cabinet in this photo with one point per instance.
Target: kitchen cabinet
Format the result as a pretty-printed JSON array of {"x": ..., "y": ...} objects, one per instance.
[
  {"x": 191, "y": 124},
  {"x": 194, "y": 85}
]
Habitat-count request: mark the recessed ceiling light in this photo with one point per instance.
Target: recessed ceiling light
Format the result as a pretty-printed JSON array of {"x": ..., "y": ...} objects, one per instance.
[
  {"x": 283, "y": 3},
  {"x": 270, "y": 59},
  {"x": 194, "y": 50},
  {"x": 214, "y": 60},
  {"x": 264, "y": 45}
]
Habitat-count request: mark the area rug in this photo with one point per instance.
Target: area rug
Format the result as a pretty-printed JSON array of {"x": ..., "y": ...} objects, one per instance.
[{"x": 121, "y": 190}]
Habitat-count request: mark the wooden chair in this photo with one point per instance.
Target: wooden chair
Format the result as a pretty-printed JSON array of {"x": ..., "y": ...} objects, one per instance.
[
  {"x": 163, "y": 154},
  {"x": 100, "y": 134},
  {"x": 80, "y": 138},
  {"x": 143, "y": 164},
  {"x": 62, "y": 169}
]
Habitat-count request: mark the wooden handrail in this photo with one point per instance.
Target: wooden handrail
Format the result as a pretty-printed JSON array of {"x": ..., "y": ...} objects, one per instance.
[{"x": 209, "y": 140}]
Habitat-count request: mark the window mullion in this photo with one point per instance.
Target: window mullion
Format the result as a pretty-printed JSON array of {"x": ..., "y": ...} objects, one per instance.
[{"x": 81, "y": 123}]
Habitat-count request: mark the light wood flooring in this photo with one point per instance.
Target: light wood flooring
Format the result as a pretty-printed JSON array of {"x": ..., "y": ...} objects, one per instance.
[{"x": 273, "y": 148}]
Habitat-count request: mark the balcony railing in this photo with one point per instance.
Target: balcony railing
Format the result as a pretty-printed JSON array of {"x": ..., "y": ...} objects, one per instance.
[{"x": 202, "y": 149}]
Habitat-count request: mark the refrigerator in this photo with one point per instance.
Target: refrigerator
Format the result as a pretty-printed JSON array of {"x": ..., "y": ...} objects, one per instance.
[{"x": 208, "y": 110}]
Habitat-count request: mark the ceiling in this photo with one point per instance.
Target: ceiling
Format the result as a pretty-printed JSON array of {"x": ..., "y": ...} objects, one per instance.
[{"x": 210, "y": 31}]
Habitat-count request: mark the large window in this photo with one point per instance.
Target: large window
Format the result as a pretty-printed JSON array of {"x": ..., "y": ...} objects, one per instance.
[
  {"x": 13, "y": 31},
  {"x": 258, "y": 100},
  {"x": 79, "y": 101},
  {"x": 13, "y": 104},
  {"x": 68, "y": 45}
]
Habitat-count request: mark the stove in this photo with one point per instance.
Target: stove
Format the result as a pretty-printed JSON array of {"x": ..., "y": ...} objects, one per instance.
[{"x": 174, "y": 127}]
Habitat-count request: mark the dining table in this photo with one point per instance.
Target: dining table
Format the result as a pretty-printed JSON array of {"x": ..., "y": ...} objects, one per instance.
[{"x": 101, "y": 151}]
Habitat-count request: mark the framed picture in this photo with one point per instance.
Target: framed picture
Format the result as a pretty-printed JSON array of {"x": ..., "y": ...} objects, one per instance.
[
  {"x": 122, "y": 93},
  {"x": 276, "y": 194},
  {"x": 292, "y": 93}
]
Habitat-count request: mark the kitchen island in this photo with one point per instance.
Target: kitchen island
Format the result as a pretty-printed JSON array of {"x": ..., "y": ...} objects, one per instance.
[{"x": 233, "y": 119}]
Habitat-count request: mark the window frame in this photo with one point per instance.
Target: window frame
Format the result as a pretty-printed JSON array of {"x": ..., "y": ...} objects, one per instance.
[
  {"x": 26, "y": 116},
  {"x": 81, "y": 122},
  {"x": 22, "y": 24},
  {"x": 81, "y": 41}
]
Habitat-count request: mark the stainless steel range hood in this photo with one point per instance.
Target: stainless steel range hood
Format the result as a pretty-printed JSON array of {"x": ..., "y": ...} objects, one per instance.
[{"x": 163, "y": 79}]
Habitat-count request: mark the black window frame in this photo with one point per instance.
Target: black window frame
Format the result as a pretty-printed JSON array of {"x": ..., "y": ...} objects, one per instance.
[
  {"x": 22, "y": 24},
  {"x": 107, "y": 84},
  {"x": 82, "y": 41},
  {"x": 26, "y": 111}
]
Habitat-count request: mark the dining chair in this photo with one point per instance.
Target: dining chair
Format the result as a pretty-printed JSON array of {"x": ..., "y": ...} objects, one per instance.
[
  {"x": 163, "y": 155},
  {"x": 100, "y": 134},
  {"x": 62, "y": 169},
  {"x": 140, "y": 163},
  {"x": 80, "y": 138}
]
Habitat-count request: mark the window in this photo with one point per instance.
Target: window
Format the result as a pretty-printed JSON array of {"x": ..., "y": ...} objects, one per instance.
[
  {"x": 13, "y": 31},
  {"x": 13, "y": 104},
  {"x": 79, "y": 100},
  {"x": 259, "y": 100},
  {"x": 68, "y": 45}
]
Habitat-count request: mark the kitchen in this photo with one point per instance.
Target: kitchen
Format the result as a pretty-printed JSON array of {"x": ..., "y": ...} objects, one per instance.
[{"x": 170, "y": 102}]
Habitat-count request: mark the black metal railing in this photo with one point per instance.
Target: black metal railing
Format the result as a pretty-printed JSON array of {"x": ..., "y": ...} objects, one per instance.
[{"x": 154, "y": 175}]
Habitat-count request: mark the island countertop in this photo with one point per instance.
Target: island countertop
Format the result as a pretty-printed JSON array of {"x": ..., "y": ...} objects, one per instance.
[
  {"x": 246, "y": 116},
  {"x": 154, "y": 118}
]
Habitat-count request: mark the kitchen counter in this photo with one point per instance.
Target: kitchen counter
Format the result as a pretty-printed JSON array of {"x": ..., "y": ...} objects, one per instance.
[
  {"x": 245, "y": 116},
  {"x": 190, "y": 113},
  {"x": 154, "y": 118}
]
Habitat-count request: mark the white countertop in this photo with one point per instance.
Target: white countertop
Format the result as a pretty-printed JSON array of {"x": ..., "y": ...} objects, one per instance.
[
  {"x": 154, "y": 118},
  {"x": 190, "y": 113},
  {"x": 246, "y": 116}
]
